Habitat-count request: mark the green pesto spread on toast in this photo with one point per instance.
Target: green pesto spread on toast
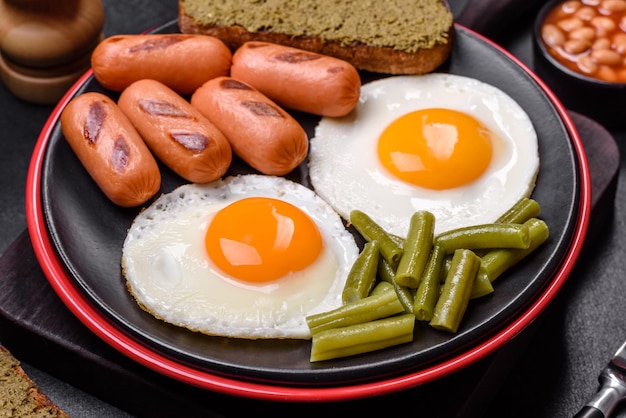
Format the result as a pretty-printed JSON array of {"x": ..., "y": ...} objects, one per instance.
[{"x": 406, "y": 25}]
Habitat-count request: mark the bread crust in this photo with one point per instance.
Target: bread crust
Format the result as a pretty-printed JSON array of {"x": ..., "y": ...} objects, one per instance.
[
  {"x": 363, "y": 57},
  {"x": 20, "y": 395}
]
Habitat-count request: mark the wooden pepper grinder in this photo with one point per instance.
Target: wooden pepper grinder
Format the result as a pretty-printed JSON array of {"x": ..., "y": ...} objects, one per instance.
[{"x": 45, "y": 46}]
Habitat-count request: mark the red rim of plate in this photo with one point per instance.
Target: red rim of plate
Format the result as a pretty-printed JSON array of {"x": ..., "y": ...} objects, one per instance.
[{"x": 107, "y": 331}]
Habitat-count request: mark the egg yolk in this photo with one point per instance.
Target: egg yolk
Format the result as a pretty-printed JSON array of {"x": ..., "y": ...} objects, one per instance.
[
  {"x": 436, "y": 148},
  {"x": 261, "y": 239}
]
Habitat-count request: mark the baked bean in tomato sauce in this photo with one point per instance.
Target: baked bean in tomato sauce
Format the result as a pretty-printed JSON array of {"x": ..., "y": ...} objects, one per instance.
[{"x": 589, "y": 37}]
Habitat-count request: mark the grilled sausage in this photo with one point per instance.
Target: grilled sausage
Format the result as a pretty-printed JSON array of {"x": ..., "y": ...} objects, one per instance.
[
  {"x": 181, "y": 62},
  {"x": 176, "y": 132},
  {"x": 260, "y": 132},
  {"x": 110, "y": 149},
  {"x": 298, "y": 79}
]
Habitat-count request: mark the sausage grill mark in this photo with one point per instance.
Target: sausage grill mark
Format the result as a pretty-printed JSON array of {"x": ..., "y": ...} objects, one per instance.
[
  {"x": 262, "y": 109},
  {"x": 234, "y": 84},
  {"x": 120, "y": 154},
  {"x": 193, "y": 141},
  {"x": 296, "y": 57},
  {"x": 335, "y": 70},
  {"x": 255, "y": 45},
  {"x": 162, "y": 108},
  {"x": 93, "y": 122},
  {"x": 156, "y": 43}
]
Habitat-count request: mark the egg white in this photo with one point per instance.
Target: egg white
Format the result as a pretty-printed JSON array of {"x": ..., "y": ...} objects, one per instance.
[
  {"x": 171, "y": 276},
  {"x": 345, "y": 171}
]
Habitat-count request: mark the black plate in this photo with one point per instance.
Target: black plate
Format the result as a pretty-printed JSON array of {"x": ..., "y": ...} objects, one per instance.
[{"x": 87, "y": 232}]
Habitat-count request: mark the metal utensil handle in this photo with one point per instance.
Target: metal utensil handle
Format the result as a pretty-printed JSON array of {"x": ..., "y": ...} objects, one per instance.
[
  {"x": 589, "y": 412},
  {"x": 612, "y": 391}
]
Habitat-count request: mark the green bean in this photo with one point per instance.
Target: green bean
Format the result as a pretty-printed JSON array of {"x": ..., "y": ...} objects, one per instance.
[
  {"x": 521, "y": 211},
  {"x": 380, "y": 305},
  {"x": 370, "y": 230},
  {"x": 397, "y": 239},
  {"x": 406, "y": 297},
  {"x": 417, "y": 246},
  {"x": 428, "y": 291},
  {"x": 479, "y": 289},
  {"x": 385, "y": 271},
  {"x": 456, "y": 291},
  {"x": 362, "y": 276},
  {"x": 484, "y": 236},
  {"x": 381, "y": 287},
  {"x": 362, "y": 338},
  {"x": 446, "y": 267},
  {"x": 482, "y": 287},
  {"x": 497, "y": 261},
  {"x": 387, "y": 275}
]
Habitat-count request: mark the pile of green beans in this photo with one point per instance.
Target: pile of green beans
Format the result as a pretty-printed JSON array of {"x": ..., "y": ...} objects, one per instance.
[
  {"x": 397, "y": 281},
  {"x": 372, "y": 323}
]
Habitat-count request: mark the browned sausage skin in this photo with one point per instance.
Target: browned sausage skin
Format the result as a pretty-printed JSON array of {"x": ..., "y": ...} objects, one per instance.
[
  {"x": 110, "y": 149},
  {"x": 260, "y": 132},
  {"x": 176, "y": 132},
  {"x": 298, "y": 79},
  {"x": 181, "y": 62}
]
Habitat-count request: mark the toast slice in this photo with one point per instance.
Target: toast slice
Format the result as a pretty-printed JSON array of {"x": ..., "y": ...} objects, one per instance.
[
  {"x": 19, "y": 395},
  {"x": 392, "y": 37}
]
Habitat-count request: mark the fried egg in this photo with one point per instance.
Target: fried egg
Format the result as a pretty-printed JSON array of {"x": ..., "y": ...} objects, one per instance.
[
  {"x": 250, "y": 257},
  {"x": 453, "y": 145}
]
